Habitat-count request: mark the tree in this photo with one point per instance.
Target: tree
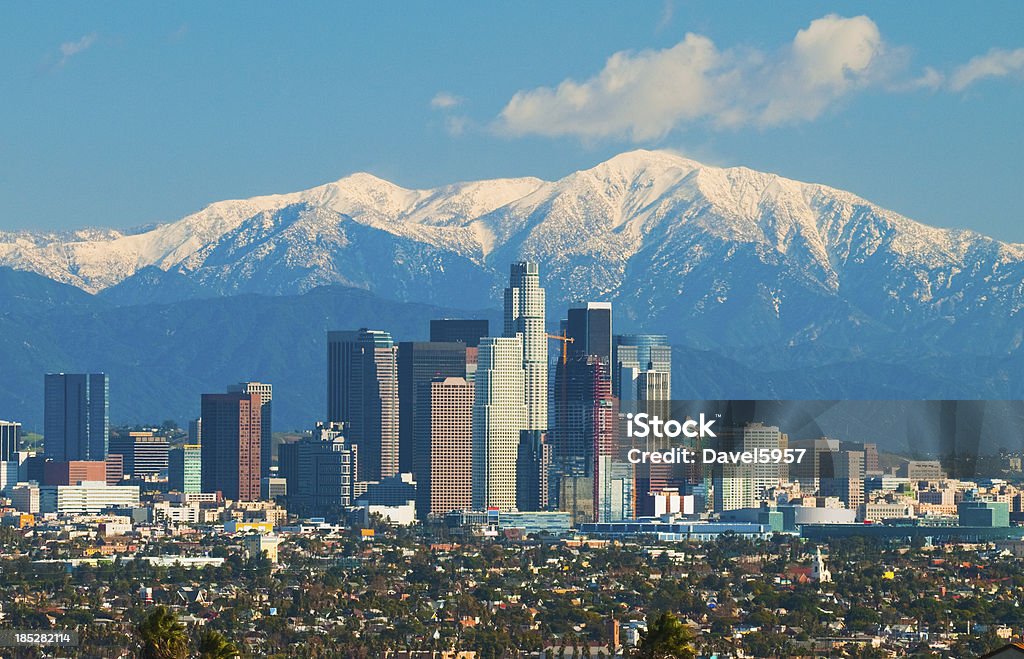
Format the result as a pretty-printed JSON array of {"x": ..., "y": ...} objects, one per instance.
[
  {"x": 213, "y": 645},
  {"x": 163, "y": 637},
  {"x": 666, "y": 638},
  {"x": 862, "y": 618}
]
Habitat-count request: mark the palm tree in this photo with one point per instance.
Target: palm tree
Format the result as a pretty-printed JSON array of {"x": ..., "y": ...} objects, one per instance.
[
  {"x": 666, "y": 638},
  {"x": 163, "y": 637},
  {"x": 213, "y": 645}
]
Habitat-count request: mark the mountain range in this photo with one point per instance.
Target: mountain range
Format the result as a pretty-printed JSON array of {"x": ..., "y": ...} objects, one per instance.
[{"x": 767, "y": 287}]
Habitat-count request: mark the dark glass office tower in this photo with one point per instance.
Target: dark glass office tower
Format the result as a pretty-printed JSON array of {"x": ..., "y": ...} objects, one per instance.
[
  {"x": 230, "y": 453},
  {"x": 185, "y": 469},
  {"x": 583, "y": 383},
  {"x": 532, "y": 466},
  {"x": 590, "y": 327},
  {"x": 362, "y": 392},
  {"x": 10, "y": 440},
  {"x": 418, "y": 364},
  {"x": 76, "y": 419},
  {"x": 458, "y": 330}
]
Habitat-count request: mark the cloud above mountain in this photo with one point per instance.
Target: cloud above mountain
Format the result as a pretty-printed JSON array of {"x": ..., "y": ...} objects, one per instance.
[
  {"x": 643, "y": 95},
  {"x": 996, "y": 63}
]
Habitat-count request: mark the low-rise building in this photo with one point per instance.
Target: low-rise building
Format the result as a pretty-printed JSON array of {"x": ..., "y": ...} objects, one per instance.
[
  {"x": 394, "y": 499},
  {"x": 89, "y": 497},
  {"x": 994, "y": 514},
  {"x": 238, "y": 526}
]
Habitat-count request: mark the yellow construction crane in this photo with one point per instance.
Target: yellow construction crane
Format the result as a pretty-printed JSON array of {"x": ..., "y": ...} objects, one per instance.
[{"x": 566, "y": 340}]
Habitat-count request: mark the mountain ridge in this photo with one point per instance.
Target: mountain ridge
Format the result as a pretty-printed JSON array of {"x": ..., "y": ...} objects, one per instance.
[
  {"x": 379, "y": 203},
  {"x": 718, "y": 258}
]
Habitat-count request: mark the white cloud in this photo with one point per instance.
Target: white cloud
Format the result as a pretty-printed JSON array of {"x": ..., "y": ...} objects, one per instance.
[
  {"x": 643, "y": 95},
  {"x": 830, "y": 58},
  {"x": 996, "y": 63},
  {"x": 69, "y": 49},
  {"x": 445, "y": 101}
]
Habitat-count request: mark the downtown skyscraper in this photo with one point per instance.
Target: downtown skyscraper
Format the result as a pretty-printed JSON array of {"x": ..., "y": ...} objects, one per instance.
[
  {"x": 266, "y": 392},
  {"x": 419, "y": 363},
  {"x": 76, "y": 423},
  {"x": 524, "y": 317},
  {"x": 362, "y": 392},
  {"x": 459, "y": 330},
  {"x": 588, "y": 357},
  {"x": 739, "y": 485},
  {"x": 444, "y": 447},
  {"x": 185, "y": 469},
  {"x": 499, "y": 416},
  {"x": 230, "y": 452},
  {"x": 589, "y": 325}
]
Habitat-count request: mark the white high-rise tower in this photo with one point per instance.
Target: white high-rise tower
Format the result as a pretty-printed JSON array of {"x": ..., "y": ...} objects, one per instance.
[
  {"x": 524, "y": 316},
  {"x": 499, "y": 415}
]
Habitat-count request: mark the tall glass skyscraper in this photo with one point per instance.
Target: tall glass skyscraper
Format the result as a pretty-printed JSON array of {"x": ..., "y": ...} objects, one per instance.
[
  {"x": 362, "y": 392},
  {"x": 524, "y": 316},
  {"x": 589, "y": 326},
  {"x": 458, "y": 330},
  {"x": 76, "y": 416}
]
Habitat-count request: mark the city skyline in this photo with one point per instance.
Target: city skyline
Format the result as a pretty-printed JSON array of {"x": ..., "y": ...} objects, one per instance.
[
  {"x": 482, "y": 474},
  {"x": 679, "y": 329},
  {"x": 616, "y": 347}
]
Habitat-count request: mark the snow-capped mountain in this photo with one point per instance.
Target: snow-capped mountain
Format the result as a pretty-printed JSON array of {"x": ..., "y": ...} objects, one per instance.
[{"x": 712, "y": 256}]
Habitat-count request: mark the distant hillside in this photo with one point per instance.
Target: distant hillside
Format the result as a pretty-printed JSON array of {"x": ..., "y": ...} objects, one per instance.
[{"x": 161, "y": 357}]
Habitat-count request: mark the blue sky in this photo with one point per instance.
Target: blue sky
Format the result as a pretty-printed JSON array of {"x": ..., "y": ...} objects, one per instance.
[{"x": 118, "y": 115}]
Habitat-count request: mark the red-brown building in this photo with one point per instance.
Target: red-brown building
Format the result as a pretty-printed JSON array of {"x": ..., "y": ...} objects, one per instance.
[
  {"x": 444, "y": 461},
  {"x": 74, "y": 472}
]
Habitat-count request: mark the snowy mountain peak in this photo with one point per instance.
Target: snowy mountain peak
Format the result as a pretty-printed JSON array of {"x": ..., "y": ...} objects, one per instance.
[
  {"x": 648, "y": 229},
  {"x": 631, "y": 164}
]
